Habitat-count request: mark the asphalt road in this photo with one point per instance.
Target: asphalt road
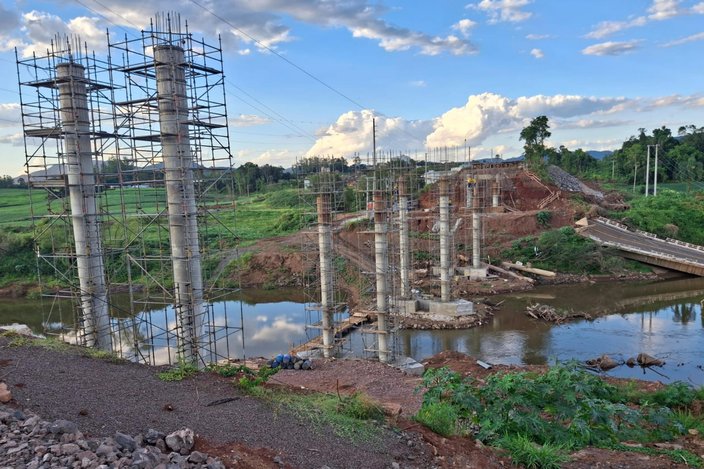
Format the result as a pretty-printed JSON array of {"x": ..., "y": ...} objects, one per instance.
[{"x": 656, "y": 248}]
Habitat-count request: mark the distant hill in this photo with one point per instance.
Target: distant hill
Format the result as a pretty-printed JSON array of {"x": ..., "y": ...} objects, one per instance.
[{"x": 599, "y": 155}]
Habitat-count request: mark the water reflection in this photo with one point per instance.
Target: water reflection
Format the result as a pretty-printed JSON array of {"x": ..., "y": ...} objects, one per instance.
[
  {"x": 655, "y": 318},
  {"x": 251, "y": 323}
]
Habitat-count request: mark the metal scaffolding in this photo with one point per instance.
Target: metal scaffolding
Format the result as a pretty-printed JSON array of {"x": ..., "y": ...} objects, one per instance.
[{"x": 155, "y": 120}]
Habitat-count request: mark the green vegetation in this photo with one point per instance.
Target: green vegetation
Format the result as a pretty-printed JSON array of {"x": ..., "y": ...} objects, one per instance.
[
  {"x": 669, "y": 215},
  {"x": 179, "y": 372},
  {"x": 539, "y": 418},
  {"x": 563, "y": 250}
]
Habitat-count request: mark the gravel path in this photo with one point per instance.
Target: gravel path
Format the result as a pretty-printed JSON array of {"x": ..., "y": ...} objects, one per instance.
[{"x": 103, "y": 397}]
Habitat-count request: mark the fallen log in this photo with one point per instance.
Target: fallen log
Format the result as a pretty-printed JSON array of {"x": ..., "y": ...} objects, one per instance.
[
  {"x": 510, "y": 274},
  {"x": 551, "y": 314},
  {"x": 532, "y": 270}
]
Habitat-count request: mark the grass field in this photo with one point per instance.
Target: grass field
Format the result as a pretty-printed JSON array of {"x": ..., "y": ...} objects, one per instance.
[{"x": 223, "y": 226}]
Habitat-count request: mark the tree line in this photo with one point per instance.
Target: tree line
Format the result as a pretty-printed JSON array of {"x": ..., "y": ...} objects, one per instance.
[{"x": 680, "y": 157}]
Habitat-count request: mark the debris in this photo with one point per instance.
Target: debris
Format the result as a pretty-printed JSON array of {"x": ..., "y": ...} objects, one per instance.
[
  {"x": 221, "y": 401},
  {"x": 604, "y": 363},
  {"x": 290, "y": 362},
  {"x": 551, "y": 314},
  {"x": 643, "y": 359},
  {"x": 484, "y": 365}
]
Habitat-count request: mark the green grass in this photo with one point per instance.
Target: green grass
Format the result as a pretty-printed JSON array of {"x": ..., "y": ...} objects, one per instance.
[
  {"x": 178, "y": 372},
  {"x": 539, "y": 417}
]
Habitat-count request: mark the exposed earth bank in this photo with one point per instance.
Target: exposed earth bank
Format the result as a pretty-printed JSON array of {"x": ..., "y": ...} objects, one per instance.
[{"x": 100, "y": 398}]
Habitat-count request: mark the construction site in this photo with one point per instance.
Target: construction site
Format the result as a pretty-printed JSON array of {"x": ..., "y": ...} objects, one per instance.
[{"x": 132, "y": 156}]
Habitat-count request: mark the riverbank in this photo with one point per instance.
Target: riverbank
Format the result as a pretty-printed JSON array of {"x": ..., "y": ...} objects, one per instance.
[{"x": 104, "y": 396}]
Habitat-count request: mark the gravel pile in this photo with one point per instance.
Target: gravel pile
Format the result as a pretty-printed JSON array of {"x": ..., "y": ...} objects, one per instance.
[
  {"x": 27, "y": 441},
  {"x": 566, "y": 182}
]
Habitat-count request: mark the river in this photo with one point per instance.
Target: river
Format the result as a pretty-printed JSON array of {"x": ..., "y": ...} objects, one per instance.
[{"x": 662, "y": 318}]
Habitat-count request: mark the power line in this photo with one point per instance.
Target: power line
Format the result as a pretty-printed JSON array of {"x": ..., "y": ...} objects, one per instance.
[{"x": 273, "y": 51}]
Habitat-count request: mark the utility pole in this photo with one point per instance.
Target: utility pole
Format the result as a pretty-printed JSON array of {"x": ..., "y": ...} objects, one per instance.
[
  {"x": 655, "y": 182},
  {"x": 647, "y": 173},
  {"x": 635, "y": 175}
]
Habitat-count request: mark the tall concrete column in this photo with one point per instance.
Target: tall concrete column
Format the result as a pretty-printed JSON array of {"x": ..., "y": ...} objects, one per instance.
[
  {"x": 469, "y": 188},
  {"x": 326, "y": 289},
  {"x": 180, "y": 194},
  {"x": 75, "y": 121},
  {"x": 404, "y": 245},
  {"x": 476, "y": 230},
  {"x": 381, "y": 258},
  {"x": 445, "y": 249},
  {"x": 495, "y": 193}
]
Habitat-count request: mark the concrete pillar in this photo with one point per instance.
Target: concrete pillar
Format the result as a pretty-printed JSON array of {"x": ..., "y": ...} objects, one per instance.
[
  {"x": 326, "y": 288},
  {"x": 180, "y": 194},
  {"x": 476, "y": 230},
  {"x": 75, "y": 121},
  {"x": 495, "y": 193},
  {"x": 469, "y": 188},
  {"x": 381, "y": 251},
  {"x": 445, "y": 249},
  {"x": 404, "y": 245}
]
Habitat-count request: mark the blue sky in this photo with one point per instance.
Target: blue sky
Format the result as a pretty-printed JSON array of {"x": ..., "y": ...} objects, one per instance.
[{"x": 433, "y": 74}]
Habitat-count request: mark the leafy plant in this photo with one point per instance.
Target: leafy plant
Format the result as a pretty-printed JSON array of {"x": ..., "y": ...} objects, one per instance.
[
  {"x": 531, "y": 455},
  {"x": 537, "y": 417},
  {"x": 179, "y": 372}
]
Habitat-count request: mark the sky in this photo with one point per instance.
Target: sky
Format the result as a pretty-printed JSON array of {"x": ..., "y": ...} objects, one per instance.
[{"x": 306, "y": 77}]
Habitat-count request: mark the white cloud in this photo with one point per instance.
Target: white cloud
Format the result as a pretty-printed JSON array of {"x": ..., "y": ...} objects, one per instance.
[
  {"x": 418, "y": 83},
  {"x": 589, "y": 124},
  {"x": 10, "y": 115},
  {"x": 698, "y": 8},
  {"x": 665, "y": 9},
  {"x": 606, "y": 28},
  {"x": 563, "y": 105},
  {"x": 248, "y": 120},
  {"x": 611, "y": 48},
  {"x": 684, "y": 40},
  {"x": 464, "y": 26},
  {"x": 659, "y": 10},
  {"x": 537, "y": 53},
  {"x": 40, "y": 29},
  {"x": 352, "y": 133},
  {"x": 537, "y": 37},
  {"x": 489, "y": 114},
  {"x": 267, "y": 21},
  {"x": 273, "y": 156},
  {"x": 504, "y": 10},
  {"x": 481, "y": 116}
]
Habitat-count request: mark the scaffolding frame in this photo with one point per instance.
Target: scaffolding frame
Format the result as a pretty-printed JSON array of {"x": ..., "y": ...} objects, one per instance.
[{"x": 128, "y": 141}]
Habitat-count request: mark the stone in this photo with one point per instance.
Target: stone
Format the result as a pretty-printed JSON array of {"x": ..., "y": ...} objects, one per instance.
[
  {"x": 125, "y": 442},
  {"x": 180, "y": 440},
  {"x": 216, "y": 464},
  {"x": 395, "y": 465},
  {"x": 61, "y": 426},
  {"x": 278, "y": 460},
  {"x": 6, "y": 417},
  {"x": 69, "y": 448},
  {"x": 5, "y": 394},
  {"x": 153, "y": 436},
  {"x": 104, "y": 450},
  {"x": 197, "y": 457},
  {"x": 145, "y": 458}
]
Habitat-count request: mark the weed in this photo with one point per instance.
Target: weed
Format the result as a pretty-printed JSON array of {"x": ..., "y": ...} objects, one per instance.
[
  {"x": 359, "y": 406},
  {"x": 440, "y": 417},
  {"x": 677, "y": 455},
  {"x": 565, "y": 408},
  {"x": 179, "y": 372},
  {"x": 524, "y": 452}
]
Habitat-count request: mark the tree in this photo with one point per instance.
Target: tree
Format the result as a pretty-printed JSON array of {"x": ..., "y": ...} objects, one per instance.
[{"x": 534, "y": 136}]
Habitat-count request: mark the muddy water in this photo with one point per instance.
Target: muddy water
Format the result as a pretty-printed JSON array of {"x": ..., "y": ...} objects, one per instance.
[
  {"x": 273, "y": 323},
  {"x": 663, "y": 319}
]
